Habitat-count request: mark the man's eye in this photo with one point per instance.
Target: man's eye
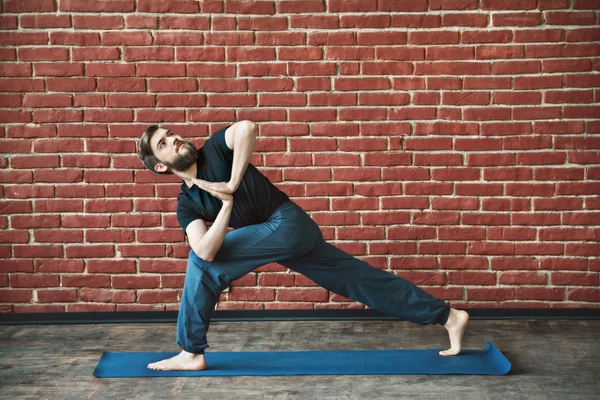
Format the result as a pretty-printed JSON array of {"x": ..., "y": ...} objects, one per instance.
[{"x": 162, "y": 144}]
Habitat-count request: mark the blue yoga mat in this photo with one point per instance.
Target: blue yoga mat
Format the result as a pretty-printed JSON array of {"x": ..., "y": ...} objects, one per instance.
[{"x": 489, "y": 361}]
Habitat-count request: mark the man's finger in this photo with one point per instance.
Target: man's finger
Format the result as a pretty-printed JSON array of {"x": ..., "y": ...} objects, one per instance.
[
  {"x": 207, "y": 184},
  {"x": 202, "y": 183},
  {"x": 210, "y": 190}
]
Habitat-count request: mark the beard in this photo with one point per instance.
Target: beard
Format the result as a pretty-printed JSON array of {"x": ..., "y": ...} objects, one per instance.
[{"x": 186, "y": 159}]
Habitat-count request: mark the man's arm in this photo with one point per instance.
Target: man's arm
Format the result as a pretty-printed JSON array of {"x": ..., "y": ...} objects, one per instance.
[
  {"x": 241, "y": 138},
  {"x": 210, "y": 243}
]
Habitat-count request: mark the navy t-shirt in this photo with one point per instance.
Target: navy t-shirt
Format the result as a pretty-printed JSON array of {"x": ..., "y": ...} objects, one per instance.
[{"x": 255, "y": 199}]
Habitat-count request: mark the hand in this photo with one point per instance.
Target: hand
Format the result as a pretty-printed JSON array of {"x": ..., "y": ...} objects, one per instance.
[{"x": 221, "y": 190}]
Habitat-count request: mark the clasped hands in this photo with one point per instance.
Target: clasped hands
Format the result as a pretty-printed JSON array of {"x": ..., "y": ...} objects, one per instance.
[{"x": 221, "y": 190}]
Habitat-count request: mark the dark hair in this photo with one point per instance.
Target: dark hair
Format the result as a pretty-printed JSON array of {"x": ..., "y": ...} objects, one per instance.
[{"x": 145, "y": 153}]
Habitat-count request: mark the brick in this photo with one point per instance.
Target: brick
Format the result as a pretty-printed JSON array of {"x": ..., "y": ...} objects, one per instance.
[
  {"x": 332, "y": 99},
  {"x": 75, "y": 38},
  {"x": 366, "y": 21},
  {"x": 42, "y": 54},
  {"x": 403, "y": 5},
  {"x": 168, "y": 6},
  {"x": 231, "y": 100},
  {"x": 570, "y": 18},
  {"x": 433, "y": 37},
  {"x": 280, "y": 100},
  {"x": 349, "y": 53},
  {"x": 300, "y": 53},
  {"x": 313, "y": 22},
  {"x": 45, "y": 21},
  {"x": 277, "y": 38},
  {"x": 184, "y": 22},
  {"x": 58, "y": 69},
  {"x": 361, "y": 84},
  {"x": 273, "y": 84},
  {"x": 517, "y": 19},
  {"x": 18, "y": 69},
  {"x": 508, "y": 4},
  {"x": 300, "y": 6},
  {"x": 249, "y": 7},
  {"x": 234, "y": 39},
  {"x": 262, "y": 23},
  {"x": 95, "y": 53},
  {"x": 21, "y": 6},
  {"x": 337, "y": 6},
  {"x": 311, "y": 69},
  {"x": 249, "y": 54},
  {"x": 98, "y": 22}
]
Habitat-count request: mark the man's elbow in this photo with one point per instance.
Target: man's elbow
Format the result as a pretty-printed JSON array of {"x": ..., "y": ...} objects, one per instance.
[
  {"x": 208, "y": 257},
  {"x": 248, "y": 127},
  {"x": 204, "y": 256}
]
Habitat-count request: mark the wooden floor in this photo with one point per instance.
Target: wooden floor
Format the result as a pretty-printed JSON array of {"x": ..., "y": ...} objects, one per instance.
[{"x": 550, "y": 360}]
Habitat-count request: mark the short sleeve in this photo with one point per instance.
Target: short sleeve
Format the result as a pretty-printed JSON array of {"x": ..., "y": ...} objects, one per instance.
[
  {"x": 218, "y": 140},
  {"x": 185, "y": 213}
]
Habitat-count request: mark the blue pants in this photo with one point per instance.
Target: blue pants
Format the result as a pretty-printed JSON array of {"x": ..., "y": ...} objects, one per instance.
[{"x": 292, "y": 239}]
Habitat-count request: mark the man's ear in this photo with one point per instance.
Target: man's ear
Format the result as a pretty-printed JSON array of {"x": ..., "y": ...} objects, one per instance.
[{"x": 160, "y": 167}]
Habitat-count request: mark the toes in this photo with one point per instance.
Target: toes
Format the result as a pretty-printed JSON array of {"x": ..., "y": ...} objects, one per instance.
[{"x": 449, "y": 352}]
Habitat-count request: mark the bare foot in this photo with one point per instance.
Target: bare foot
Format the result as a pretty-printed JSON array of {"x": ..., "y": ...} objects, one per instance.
[
  {"x": 182, "y": 361},
  {"x": 456, "y": 325}
]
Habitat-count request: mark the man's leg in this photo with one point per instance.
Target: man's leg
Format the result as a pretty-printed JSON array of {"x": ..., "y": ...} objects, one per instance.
[
  {"x": 341, "y": 273},
  {"x": 243, "y": 250},
  {"x": 384, "y": 291}
]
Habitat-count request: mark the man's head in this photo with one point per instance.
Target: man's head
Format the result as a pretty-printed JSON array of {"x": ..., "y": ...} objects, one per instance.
[{"x": 163, "y": 152}]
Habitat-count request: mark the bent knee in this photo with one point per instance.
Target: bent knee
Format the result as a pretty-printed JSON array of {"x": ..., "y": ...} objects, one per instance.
[{"x": 303, "y": 243}]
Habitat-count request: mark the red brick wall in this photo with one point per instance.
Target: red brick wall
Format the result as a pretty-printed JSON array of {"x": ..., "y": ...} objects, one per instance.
[{"x": 455, "y": 143}]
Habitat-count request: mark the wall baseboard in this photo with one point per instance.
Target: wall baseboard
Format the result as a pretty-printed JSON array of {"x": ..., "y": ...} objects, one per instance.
[{"x": 284, "y": 315}]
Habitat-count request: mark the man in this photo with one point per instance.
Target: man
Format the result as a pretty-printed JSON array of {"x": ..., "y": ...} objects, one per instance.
[{"x": 221, "y": 186}]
